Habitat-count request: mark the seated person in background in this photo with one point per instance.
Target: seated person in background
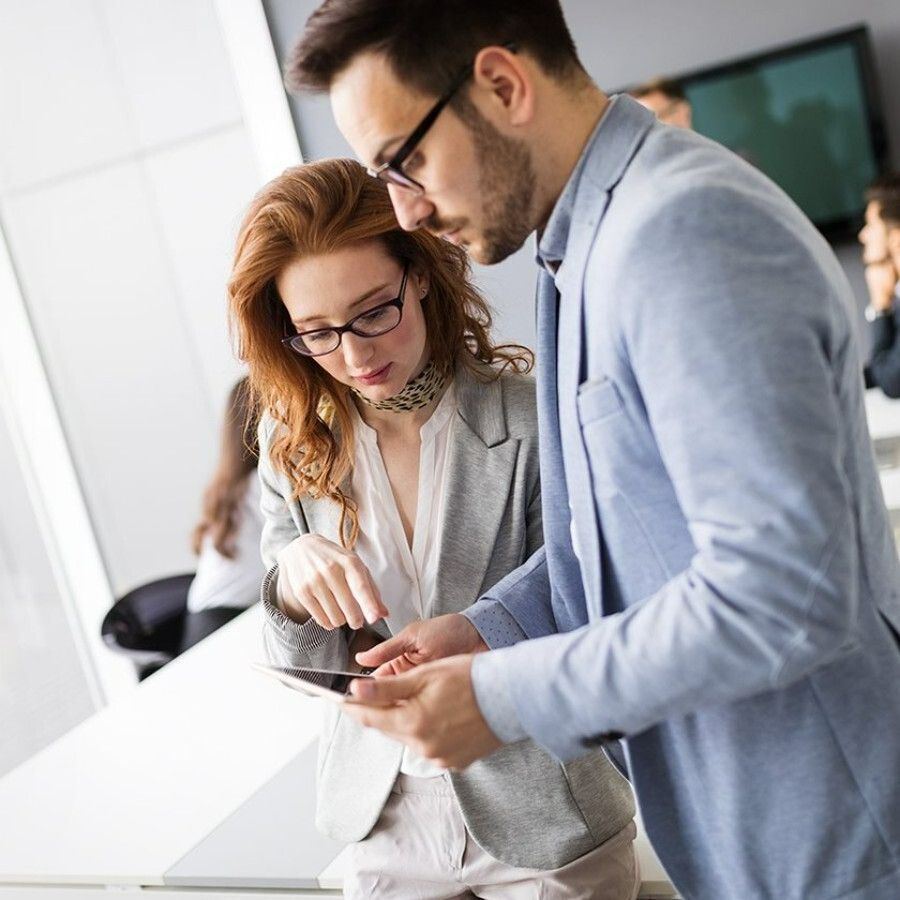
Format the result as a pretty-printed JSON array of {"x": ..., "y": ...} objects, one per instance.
[
  {"x": 399, "y": 472},
  {"x": 666, "y": 99},
  {"x": 226, "y": 539},
  {"x": 880, "y": 237}
]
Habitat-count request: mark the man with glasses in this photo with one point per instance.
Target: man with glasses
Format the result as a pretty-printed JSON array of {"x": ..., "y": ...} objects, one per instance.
[{"x": 718, "y": 586}]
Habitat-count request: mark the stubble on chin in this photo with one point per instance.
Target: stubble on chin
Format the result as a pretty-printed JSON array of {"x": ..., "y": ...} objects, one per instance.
[{"x": 507, "y": 182}]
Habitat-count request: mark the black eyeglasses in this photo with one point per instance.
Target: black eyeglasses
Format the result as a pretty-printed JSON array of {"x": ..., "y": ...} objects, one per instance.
[
  {"x": 378, "y": 320},
  {"x": 392, "y": 172}
]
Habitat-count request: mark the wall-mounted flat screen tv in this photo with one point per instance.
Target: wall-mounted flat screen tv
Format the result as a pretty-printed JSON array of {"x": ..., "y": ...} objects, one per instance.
[{"x": 808, "y": 115}]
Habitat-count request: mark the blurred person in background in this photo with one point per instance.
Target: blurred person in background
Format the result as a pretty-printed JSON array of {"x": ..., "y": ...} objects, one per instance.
[
  {"x": 880, "y": 238},
  {"x": 226, "y": 539},
  {"x": 666, "y": 98}
]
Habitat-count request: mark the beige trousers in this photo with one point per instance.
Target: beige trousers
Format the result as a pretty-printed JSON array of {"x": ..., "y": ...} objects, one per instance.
[{"x": 420, "y": 850}]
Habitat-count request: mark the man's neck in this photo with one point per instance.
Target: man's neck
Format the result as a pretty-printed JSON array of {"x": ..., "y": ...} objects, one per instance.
[{"x": 571, "y": 119}]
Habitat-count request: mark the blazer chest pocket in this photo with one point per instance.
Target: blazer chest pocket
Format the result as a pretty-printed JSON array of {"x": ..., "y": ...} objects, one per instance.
[
  {"x": 605, "y": 433},
  {"x": 631, "y": 491},
  {"x": 597, "y": 399}
]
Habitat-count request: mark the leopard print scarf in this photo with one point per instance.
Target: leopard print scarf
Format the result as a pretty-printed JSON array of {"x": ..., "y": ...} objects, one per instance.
[{"x": 418, "y": 393}]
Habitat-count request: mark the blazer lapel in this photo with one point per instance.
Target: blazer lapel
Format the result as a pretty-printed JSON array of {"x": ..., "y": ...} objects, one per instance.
[
  {"x": 480, "y": 468},
  {"x": 624, "y": 129},
  {"x": 565, "y": 575},
  {"x": 570, "y": 367}
]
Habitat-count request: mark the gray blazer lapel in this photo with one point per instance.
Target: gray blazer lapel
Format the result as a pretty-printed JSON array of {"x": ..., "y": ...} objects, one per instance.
[{"x": 480, "y": 468}]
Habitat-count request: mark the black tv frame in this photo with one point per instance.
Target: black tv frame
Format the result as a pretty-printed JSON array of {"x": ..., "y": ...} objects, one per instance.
[{"x": 841, "y": 229}]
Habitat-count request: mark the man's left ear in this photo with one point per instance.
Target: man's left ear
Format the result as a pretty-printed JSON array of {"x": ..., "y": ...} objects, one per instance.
[{"x": 507, "y": 79}]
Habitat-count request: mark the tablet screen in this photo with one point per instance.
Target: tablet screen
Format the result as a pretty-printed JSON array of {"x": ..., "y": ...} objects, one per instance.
[{"x": 318, "y": 680}]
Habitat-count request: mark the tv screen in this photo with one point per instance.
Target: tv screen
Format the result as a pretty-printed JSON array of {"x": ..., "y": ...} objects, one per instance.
[{"x": 807, "y": 115}]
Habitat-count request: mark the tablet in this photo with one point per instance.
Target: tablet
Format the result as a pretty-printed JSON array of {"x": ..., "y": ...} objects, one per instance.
[{"x": 334, "y": 685}]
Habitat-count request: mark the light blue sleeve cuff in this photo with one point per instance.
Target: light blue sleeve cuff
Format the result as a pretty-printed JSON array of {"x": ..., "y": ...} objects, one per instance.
[
  {"x": 493, "y": 697},
  {"x": 497, "y": 627}
]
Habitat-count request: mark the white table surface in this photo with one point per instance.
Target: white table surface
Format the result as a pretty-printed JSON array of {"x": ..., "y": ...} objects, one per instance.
[
  {"x": 883, "y": 415},
  {"x": 202, "y": 778},
  {"x": 124, "y": 796}
]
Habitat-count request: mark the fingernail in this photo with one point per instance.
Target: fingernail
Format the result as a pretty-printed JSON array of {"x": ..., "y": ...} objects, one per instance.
[{"x": 360, "y": 688}]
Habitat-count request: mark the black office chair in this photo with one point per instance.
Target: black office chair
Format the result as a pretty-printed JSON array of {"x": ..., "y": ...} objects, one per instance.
[{"x": 151, "y": 624}]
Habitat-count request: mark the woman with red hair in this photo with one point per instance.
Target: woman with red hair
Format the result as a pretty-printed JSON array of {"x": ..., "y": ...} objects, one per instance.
[{"x": 399, "y": 473}]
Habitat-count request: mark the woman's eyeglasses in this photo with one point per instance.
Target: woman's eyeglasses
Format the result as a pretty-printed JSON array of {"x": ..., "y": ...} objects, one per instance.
[{"x": 374, "y": 322}]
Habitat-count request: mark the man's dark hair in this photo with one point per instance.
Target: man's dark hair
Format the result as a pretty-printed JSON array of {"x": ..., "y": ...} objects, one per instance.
[
  {"x": 886, "y": 192},
  {"x": 426, "y": 42},
  {"x": 668, "y": 87}
]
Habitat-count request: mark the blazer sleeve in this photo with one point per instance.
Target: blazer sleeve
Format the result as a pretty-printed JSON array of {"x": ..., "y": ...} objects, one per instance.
[
  {"x": 288, "y": 643},
  {"x": 737, "y": 349},
  {"x": 518, "y": 607}
]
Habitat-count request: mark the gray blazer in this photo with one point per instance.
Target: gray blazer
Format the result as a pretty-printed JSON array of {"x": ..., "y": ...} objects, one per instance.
[{"x": 519, "y": 804}]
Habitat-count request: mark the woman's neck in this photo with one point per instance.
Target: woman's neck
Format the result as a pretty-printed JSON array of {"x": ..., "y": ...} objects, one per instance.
[{"x": 396, "y": 423}]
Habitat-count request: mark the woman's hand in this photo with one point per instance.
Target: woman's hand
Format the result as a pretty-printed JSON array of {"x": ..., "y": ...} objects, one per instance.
[{"x": 320, "y": 579}]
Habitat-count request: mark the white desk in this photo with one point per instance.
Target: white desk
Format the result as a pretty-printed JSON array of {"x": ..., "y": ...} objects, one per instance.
[
  {"x": 882, "y": 414},
  {"x": 202, "y": 779},
  {"x": 126, "y": 797}
]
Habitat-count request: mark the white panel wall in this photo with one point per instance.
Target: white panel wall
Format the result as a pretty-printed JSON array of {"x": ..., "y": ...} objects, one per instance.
[
  {"x": 194, "y": 184},
  {"x": 61, "y": 109},
  {"x": 172, "y": 70},
  {"x": 43, "y": 688},
  {"x": 120, "y": 193},
  {"x": 125, "y": 378}
]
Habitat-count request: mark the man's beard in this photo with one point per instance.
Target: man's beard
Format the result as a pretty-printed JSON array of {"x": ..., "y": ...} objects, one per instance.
[{"x": 506, "y": 180}]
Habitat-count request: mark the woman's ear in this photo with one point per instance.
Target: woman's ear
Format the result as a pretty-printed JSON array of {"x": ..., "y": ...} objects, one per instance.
[{"x": 423, "y": 284}]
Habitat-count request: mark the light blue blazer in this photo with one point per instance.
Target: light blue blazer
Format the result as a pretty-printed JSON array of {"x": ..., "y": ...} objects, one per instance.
[{"x": 719, "y": 581}]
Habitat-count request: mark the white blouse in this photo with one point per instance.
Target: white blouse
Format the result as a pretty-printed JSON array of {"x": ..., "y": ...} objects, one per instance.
[
  {"x": 221, "y": 581},
  {"x": 406, "y": 577}
]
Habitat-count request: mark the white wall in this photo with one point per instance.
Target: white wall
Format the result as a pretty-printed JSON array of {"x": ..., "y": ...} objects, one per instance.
[
  {"x": 120, "y": 194},
  {"x": 44, "y": 689},
  {"x": 624, "y": 43}
]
